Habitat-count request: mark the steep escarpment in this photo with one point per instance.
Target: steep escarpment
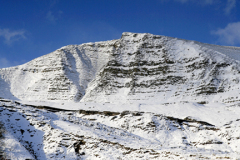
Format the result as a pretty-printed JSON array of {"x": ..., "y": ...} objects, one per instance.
[
  {"x": 138, "y": 68},
  {"x": 150, "y": 68}
]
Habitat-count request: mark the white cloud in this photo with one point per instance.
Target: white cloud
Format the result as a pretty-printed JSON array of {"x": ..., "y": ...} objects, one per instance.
[
  {"x": 230, "y": 5},
  {"x": 230, "y": 35},
  {"x": 11, "y": 36}
]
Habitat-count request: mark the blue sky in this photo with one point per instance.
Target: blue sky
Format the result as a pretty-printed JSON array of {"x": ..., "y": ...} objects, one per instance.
[{"x": 32, "y": 28}]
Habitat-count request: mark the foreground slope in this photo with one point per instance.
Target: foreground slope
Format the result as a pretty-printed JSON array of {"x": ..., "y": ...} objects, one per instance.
[
  {"x": 51, "y": 133},
  {"x": 138, "y": 68}
]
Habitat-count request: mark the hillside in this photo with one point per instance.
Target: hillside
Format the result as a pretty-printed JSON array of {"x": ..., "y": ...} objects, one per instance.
[
  {"x": 142, "y": 96},
  {"x": 137, "y": 67},
  {"x": 61, "y": 75}
]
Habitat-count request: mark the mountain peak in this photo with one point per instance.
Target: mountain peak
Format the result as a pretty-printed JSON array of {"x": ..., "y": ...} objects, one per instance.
[{"x": 139, "y": 67}]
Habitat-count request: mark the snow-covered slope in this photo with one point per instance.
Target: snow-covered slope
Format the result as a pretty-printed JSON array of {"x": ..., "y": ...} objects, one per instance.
[
  {"x": 61, "y": 75},
  {"x": 148, "y": 68},
  {"x": 51, "y": 133},
  {"x": 138, "y": 68},
  {"x": 142, "y": 96}
]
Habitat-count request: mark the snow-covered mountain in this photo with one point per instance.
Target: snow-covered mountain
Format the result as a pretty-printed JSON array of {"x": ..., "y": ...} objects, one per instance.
[
  {"x": 137, "y": 67},
  {"x": 142, "y": 96}
]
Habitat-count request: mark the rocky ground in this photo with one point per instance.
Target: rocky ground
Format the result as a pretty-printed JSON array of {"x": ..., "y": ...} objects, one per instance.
[
  {"x": 2, "y": 131},
  {"x": 49, "y": 133}
]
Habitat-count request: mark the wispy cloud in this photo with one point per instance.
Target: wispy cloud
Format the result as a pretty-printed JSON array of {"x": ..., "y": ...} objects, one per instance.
[
  {"x": 182, "y": 1},
  {"x": 53, "y": 2},
  {"x": 53, "y": 17},
  {"x": 209, "y": 1},
  {"x": 197, "y": 1},
  {"x": 230, "y": 5},
  {"x": 230, "y": 35},
  {"x": 11, "y": 36},
  {"x": 4, "y": 63}
]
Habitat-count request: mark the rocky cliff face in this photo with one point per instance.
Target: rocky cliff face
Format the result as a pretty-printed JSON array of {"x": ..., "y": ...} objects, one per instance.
[
  {"x": 135, "y": 68},
  {"x": 148, "y": 67}
]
